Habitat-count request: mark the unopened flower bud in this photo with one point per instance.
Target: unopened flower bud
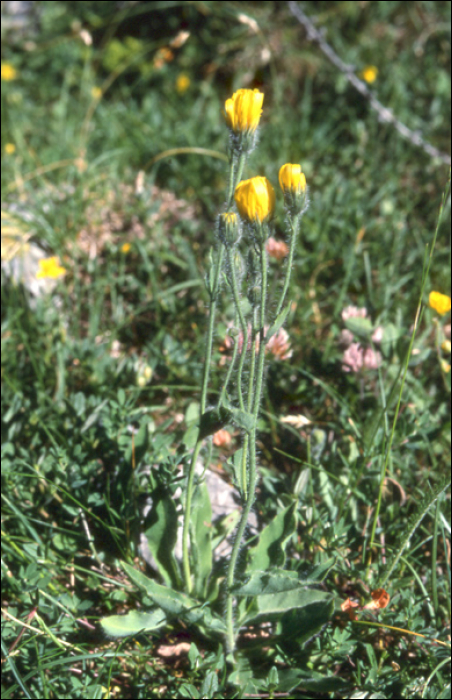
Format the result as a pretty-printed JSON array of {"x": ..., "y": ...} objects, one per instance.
[
  {"x": 293, "y": 184},
  {"x": 255, "y": 199},
  {"x": 254, "y": 295},
  {"x": 228, "y": 229},
  {"x": 439, "y": 302}
]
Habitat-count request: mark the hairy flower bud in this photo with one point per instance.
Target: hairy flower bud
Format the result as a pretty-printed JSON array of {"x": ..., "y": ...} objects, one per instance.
[
  {"x": 255, "y": 199},
  {"x": 228, "y": 228},
  {"x": 243, "y": 110},
  {"x": 439, "y": 302},
  {"x": 293, "y": 185}
]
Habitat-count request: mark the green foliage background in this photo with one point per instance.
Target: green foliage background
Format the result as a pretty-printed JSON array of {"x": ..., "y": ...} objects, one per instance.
[{"x": 95, "y": 101}]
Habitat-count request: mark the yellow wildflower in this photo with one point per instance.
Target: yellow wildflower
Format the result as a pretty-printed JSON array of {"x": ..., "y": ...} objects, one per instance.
[
  {"x": 182, "y": 82},
  {"x": 369, "y": 74},
  {"x": 439, "y": 302},
  {"x": 291, "y": 178},
  {"x": 446, "y": 346},
  {"x": 243, "y": 110},
  {"x": 445, "y": 366},
  {"x": 255, "y": 199},
  {"x": 96, "y": 92},
  {"x": 8, "y": 72},
  {"x": 9, "y": 148},
  {"x": 50, "y": 267},
  {"x": 125, "y": 247}
]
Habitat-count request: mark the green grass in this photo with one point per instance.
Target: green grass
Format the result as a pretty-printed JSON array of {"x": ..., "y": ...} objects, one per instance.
[{"x": 79, "y": 428}]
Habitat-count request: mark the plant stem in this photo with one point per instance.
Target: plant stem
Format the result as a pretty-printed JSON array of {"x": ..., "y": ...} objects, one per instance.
[
  {"x": 256, "y": 394},
  {"x": 295, "y": 227},
  {"x": 205, "y": 382},
  {"x": 243, "y": 326}
]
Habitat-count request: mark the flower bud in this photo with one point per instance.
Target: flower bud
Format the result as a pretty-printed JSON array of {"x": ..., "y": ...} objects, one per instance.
[
  {"x": 254, "y": 295},
  {"x": 293, "y": 185},
  {"x": 439, "y": 302},
  {"x": 255, "y": 199},
  {"x": 243, "y": 110},
  {"x": 228, "y": 228}
]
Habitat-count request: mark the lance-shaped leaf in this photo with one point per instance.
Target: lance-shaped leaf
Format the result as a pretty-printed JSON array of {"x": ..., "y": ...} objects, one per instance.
[
  {"x": 133, "y": 622},
  {"x": 213, "y": 420},
  {"x": 276, "y": 605},
  {"x": 161, "y": 535},
  {"x": 278, "y": 323},
  {"x": 269, "y": 551},
  {"x": 201, "y": 538},
  {"x": 176, "y": 604}
]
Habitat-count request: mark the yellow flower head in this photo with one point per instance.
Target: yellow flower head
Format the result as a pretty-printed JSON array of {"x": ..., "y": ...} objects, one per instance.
[
  {"x": 182, "y": 82},
  {"x": 255, "y": 199},
  {"x": 243, "y": 110},
  {"x": 125, "y": 248},
  {"x": 50, "y": 267},
  {"x": 8, "y": 72},
  {"x": 369, "y": 74},
  {"x": 291, "y": 178},
  {"x": 439, "y": 302},
  {"x": 96, "y": 92},
  {"x": 9, "y": 148}
]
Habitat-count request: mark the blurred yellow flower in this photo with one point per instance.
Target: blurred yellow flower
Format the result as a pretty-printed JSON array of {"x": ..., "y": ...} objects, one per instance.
[
  {"x": 439, "y": 302},
  {"x": 8, "y": 72},
  {"x": 50, "y": 267},
  {"x": 125, "y": 247},
  {"x": 182, "y": 82},
  {"x": 9, "y": 148},
  {"x": 255, "y": 199},
  {"x": 291, "y": 178},
  {"x": 369, "y": 74},
  {"x": 96, "y": 92},
  {"x": 446, "y": 346},
  {"x": 243, "y": 110},
  {"x": 445, "y": 366}
]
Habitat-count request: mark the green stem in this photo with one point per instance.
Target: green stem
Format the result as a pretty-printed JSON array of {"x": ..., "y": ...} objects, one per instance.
[
  {"x": 185, "y": 531},
  {"x": 235, "y": 179},
  {"x": 244, "y": 480},
  {"x": 230, "y": 635},
  {"x": 243, "y": 326},
  {"x": 235, "y": 352},
  {"x": 295, "y": 228},
  {"x": 205, "y": 383}
]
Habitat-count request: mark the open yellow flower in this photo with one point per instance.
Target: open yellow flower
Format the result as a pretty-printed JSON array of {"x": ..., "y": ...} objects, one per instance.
[
  {"x": 50, "y": 267},
  {"x": 439, "y": 302},
  {"x": 291, "y": 178},
  {"x": 243, "y": 110},
  {"x": 182, "y": 82},
  {"x": 8, "y": 72},
  {"x": 369, "y": 74},
  {"x": 255, "y": 199}
]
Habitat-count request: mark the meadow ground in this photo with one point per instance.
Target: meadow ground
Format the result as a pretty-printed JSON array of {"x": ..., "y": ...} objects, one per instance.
[{"x": 114, "y": 167}]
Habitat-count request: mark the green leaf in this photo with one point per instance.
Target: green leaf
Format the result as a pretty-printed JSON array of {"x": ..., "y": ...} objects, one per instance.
[
  {"x": 361, "y": 327},
  {"x": 213, "y": 420},
  {"x": 274, "y": 606},
  {"x": 267, "y": 582},
  {"x": 176, "y": 604},
  {"x": 242, "y": 419},
  {"x": 201, "y": 538},
  {"x": 210, "y": 685},
  {"x": 279, "y": 321},
  {"x": 161, "y": 535},
  {"x": 302, "y": 623},
  {"x": 269, "y": 551},
  {"x": 316, "y": 683},
  {"x": 132, "y": 623}
]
